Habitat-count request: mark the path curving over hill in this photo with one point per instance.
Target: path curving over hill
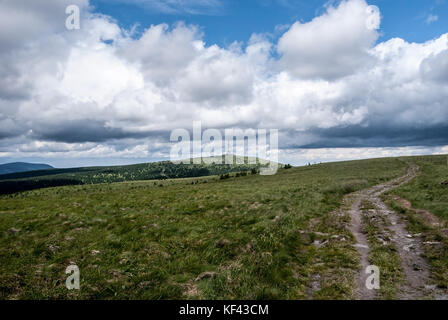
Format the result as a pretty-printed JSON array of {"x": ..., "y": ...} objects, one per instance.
[{"x": 415, "y": 268}]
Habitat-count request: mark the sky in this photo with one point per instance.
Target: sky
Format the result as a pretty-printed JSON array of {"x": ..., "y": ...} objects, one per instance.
[
  {"x": 340, "y": 80},
  {"x": 224, "y": 22}
]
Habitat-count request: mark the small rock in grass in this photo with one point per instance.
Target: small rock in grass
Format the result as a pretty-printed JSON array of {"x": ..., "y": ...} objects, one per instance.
[
  {"x": 13, "y": 230},
  {"x": 206, "y": 275}
]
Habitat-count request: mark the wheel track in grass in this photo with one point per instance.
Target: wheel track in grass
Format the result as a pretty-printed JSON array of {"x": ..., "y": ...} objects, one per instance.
[{"x": 415, "y": 268}]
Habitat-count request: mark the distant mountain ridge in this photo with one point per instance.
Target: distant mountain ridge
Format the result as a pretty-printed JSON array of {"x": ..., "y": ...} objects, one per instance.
[
  {"x": 213, "y": 166},
  {"x": 15, "y": 167}
]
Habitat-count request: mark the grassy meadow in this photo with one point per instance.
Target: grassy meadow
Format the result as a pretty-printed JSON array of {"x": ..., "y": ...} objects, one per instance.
[
  {"x": 430, "y": 189},
  {"x": 249, "y": 237}
]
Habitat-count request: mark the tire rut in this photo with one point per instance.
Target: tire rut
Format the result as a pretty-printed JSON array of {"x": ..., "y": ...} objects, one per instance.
[{"x": 415, "y": 268}]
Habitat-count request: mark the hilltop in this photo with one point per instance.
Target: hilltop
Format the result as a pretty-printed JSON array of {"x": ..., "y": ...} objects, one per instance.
[{"x": 15, "y": 167}]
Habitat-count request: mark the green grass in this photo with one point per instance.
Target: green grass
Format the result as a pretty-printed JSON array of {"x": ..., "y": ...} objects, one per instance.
[
  {"x": 426, "y": 191},
  {"x": 152, "y": 239}
]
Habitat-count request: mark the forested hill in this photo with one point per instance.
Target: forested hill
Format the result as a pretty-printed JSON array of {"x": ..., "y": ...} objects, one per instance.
[{"x": 21, "y": 181}]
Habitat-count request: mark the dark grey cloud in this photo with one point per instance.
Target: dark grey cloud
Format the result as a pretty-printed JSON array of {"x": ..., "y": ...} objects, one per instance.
[
  {"x": 82, "y": 131},
  {"x": 9, "y": 128},
  {"x": 13, "y": 86},
  {"x": 372, "y": 136},
  {"x": 79, "y": 131}
]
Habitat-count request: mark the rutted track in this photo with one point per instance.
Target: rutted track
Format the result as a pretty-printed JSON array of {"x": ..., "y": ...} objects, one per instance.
[{"x": 414, "y": 266}]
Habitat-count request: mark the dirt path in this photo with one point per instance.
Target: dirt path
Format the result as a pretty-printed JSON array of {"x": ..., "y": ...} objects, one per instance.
[{"x": 414, "y": 266}]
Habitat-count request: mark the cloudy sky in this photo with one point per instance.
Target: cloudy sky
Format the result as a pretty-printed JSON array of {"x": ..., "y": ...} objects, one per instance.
[{"x": 339, "y": 79}]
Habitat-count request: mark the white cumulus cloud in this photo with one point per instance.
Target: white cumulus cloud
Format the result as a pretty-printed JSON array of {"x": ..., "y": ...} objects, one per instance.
[{"x": 100, "y": 91}]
